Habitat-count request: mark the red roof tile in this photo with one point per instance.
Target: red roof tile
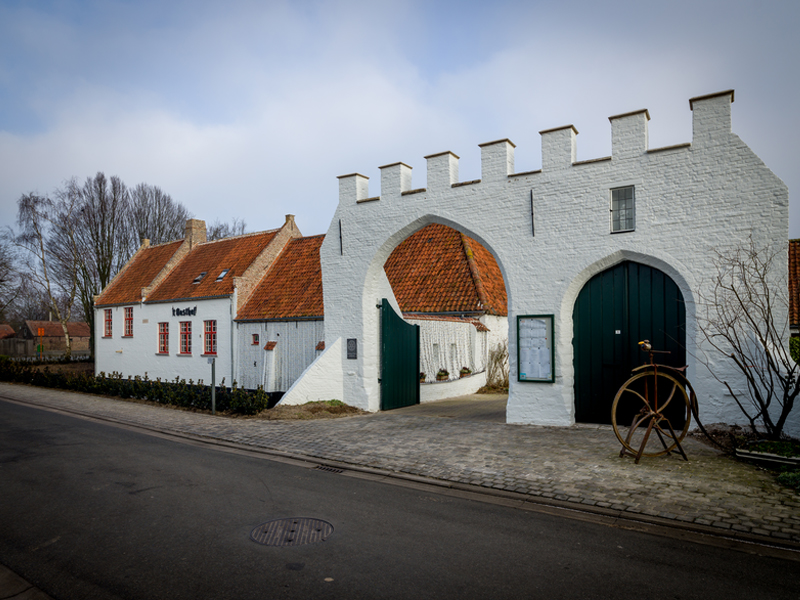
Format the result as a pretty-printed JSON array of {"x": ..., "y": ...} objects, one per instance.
[
  {"x": 6, "y": 331},
  {"x": 145, "y": 266},
  {"x": 54, "y": 329},
  {"x": 794, "y": 282},
  {"x": 292, "y": 287},
  {"x": 430, "y": 272},
  {"x": 211, "y": 258}
]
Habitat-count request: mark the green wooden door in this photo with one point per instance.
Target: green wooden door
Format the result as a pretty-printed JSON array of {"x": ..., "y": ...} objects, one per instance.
[
  {"x": 615, "y": 310},
  {"x": 399, "y": 360}
]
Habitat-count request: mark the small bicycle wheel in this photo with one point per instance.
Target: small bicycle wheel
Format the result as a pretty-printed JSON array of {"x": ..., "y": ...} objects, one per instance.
[{"x": 650, "y": 397}]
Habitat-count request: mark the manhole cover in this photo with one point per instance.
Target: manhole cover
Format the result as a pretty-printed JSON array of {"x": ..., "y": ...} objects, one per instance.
[{"x": 291, "y": 532}]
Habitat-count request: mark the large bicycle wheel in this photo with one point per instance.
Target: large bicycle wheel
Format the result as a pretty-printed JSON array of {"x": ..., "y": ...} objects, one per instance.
[{"x": 651, "y": 398}]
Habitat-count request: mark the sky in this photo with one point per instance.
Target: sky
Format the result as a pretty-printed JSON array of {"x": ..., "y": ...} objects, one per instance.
[{"x": 251, "y": 109}]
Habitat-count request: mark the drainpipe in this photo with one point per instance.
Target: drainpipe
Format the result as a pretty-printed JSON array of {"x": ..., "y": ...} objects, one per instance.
[{"x": 234, "y": 298}]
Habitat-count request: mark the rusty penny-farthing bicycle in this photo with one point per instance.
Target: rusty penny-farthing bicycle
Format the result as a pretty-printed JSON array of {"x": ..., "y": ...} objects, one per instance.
[{"x": 657, "y": 399}]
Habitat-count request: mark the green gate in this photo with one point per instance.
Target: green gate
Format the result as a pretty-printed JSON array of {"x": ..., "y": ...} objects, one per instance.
[
  {"x": 616, "y": 309},
  {"x": 399, "y": 360}
]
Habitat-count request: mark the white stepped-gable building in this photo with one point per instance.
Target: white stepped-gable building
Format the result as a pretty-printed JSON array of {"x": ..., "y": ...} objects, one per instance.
[{"x": 604, "y": 251}]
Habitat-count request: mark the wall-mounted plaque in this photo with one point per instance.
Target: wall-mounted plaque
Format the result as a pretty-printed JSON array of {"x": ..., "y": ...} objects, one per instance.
[
  {"x": 352, "y": 348},
  {"x": 535, "y": 351}
]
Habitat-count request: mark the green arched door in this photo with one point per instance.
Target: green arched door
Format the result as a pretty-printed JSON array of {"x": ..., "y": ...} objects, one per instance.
[{"x": 614, "y": 311}]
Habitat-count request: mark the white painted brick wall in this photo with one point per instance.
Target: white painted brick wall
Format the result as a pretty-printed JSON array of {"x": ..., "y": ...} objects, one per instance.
[{"x": 712, "y": 194}]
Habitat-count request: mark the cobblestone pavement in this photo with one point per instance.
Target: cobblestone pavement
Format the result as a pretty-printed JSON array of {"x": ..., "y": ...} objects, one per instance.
[{"x": 578, "y": 466}]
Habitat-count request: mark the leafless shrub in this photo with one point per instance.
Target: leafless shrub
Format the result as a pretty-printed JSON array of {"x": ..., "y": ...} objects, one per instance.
[
  {"x": 745, "y": 318},
  {"x": 497, "y": 369}
]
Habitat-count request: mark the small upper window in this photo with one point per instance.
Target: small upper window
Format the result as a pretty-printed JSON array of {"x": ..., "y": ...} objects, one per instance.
[
  {"x": 199, "y": 278},
  {"x": 623, "y": 209},
  {"x": 221, "y": 275}
]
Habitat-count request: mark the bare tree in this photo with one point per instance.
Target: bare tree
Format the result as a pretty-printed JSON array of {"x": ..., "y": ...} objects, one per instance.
[
  {"x": 154, "y": 215},
  {"x": 745, "y": 318},
  {"x": 47, "y": 233},
  {"x": 9, "y": 281},
  {"x": 218, "y": 230}
]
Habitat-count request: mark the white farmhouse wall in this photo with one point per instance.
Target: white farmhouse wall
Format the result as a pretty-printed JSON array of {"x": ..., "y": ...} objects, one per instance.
[
  {"x": 441, "y": 390},
  {"x": 276, "y": 370},
  {"x": 138, "y": 355},
  {"x": 712, "y": 193}
]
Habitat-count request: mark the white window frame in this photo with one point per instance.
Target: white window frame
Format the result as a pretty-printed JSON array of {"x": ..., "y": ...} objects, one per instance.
[{"x": 614, "y": 212}]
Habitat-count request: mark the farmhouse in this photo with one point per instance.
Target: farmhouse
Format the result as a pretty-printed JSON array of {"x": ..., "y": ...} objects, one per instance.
[
  {"x": 596, "y": 255},
  {"x": 172, "y": 307}
]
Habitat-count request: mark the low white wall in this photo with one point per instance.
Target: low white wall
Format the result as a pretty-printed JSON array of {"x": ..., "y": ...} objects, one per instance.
[
  {"x": 322, "y": 379},
  {"x": 440, "y": 390}
]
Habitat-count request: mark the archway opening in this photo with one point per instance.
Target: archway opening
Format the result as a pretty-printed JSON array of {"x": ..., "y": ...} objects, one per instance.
[
  {"x": 452, "y": 287},
  {"x": 616, "y": 309}
]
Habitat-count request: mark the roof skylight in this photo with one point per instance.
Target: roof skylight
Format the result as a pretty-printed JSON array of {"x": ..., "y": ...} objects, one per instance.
[
  {"x": 199, "y": 278},
  {"x": 221, "y": 275}
]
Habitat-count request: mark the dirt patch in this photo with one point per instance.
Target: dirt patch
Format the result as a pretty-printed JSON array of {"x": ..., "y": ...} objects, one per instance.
[{"x": 331, "y": 409}]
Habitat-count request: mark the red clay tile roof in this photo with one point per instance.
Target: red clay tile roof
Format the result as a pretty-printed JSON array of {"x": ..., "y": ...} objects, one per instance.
[
  {"x": 292, "y": 287},
  {"x": 6, "y": 331},
  {"x": 127, "y": 288},
  {"x": 794, "y": 282},
  {"x": 320, "y": 346},
  {"x": 270, "y": 345},
  {"x": 54, "y": 329},
  {"x": 430, "y": 272},
  {"x": 236, "y": 254}
]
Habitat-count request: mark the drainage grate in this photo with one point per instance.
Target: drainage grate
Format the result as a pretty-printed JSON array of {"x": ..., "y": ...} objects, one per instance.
[
  {"x": 291, "y": 532},
  {"x": 328, "y": 469}
]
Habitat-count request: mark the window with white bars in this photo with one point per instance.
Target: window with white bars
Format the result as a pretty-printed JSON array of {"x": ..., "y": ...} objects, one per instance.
[
  {"x": 623, "y": 209},
  {"x": 163, "y": 338},
  {"x": 128, "y": 321}
]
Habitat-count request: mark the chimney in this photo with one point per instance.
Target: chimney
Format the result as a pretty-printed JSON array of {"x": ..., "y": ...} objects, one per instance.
[{"x": 195, "y": 232}]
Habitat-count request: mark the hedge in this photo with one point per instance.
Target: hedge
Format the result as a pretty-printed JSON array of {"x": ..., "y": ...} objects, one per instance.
[{"x": 177, "y": 393}]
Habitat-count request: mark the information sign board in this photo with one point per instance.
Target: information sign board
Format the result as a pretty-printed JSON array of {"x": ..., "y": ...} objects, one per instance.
[{"x": 535, "y": 352}]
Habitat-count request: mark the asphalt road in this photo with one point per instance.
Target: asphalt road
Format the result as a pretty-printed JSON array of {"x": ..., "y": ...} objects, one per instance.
[{"x": 89, "y": 510}]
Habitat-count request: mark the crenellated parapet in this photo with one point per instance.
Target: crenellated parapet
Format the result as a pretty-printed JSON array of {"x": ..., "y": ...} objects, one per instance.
[{"x": 711, "y": 122}]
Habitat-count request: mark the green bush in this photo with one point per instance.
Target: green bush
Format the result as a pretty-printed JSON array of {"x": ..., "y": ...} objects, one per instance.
[
  {"x": 790, "y": 478},
  {"x": 177, "y": 393}
]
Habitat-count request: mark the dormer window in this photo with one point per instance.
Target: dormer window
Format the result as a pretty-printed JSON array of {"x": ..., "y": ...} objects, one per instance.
[
  {"x": 221, "y": 275},
  {"x": 199, "y": 278}
]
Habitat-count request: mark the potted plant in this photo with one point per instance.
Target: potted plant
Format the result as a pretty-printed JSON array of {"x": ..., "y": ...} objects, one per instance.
[
  {"x": 442, "y": 375},
  {"x": 422, "y": 377},
  {"x": 465, "y": 371}
]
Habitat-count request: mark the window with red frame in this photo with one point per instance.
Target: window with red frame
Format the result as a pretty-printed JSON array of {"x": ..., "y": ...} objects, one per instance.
[
  {"x": 107, "y": 331},
  {"x": 186, "y": 337},
  {"x": 128, "y": 321},
  {"x": 211, "y": 337},
  {"x": 163, "y": 338},
  {"x": 255, "y": 339}
]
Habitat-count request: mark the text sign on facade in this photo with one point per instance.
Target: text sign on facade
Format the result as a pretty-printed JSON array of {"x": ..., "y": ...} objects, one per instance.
[
  {"x": 352, "y": 348},
  {"x": 535, "y": 358}
]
